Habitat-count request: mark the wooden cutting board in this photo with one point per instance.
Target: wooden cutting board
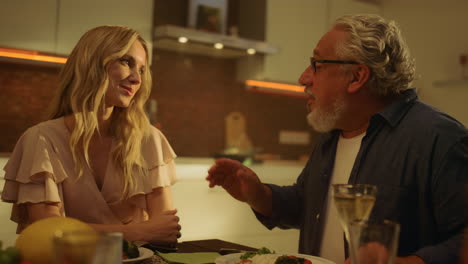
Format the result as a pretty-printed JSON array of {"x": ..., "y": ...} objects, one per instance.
[{"x": 236, "y": 134}]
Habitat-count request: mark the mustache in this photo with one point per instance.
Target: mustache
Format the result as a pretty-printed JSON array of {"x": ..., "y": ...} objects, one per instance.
[
  {"x": 310, "y": 95},
  {"x": 308, "y": 92}
]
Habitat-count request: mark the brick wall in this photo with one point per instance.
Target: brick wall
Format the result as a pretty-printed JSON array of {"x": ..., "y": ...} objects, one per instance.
[
  {"x": 25, "y": 93},
  {"x": 194, "y": 95}
]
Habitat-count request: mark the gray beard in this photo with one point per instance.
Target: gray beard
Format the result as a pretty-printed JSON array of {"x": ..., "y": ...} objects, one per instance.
[{"x": 322, "y": 121}]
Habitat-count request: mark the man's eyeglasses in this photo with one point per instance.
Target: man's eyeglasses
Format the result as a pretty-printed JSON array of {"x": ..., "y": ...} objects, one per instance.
[{"x": 313, "y": 62}]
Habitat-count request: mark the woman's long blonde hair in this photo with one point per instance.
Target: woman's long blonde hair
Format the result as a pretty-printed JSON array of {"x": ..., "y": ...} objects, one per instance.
[{"x": 83, "y": 84}]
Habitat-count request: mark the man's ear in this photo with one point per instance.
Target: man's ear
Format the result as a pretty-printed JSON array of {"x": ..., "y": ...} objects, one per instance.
[{"x": 360, "y": 76}]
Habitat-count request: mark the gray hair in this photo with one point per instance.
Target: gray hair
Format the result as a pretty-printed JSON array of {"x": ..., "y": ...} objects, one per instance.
[{"x": 377, "y": 43}]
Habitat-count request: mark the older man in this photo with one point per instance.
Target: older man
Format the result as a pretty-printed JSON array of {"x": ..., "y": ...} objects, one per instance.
[{"x": 375, "y": 131}]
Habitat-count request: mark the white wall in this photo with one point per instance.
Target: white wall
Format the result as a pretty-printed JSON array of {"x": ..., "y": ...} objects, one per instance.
[{"x": 436, "y": 35}]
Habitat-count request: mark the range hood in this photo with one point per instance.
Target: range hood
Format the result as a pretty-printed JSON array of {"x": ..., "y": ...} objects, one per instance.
[
  {"x": 191, "y": 41},
  {"x": 187, "y": 40}
]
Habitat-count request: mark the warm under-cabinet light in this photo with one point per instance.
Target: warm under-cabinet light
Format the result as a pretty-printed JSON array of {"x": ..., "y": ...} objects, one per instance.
[
  {"x": 218, "y": 45},
  {"x": 30, "y": 55},
  {"x": 183, "y": 39},
  {"x": 251, "y": 51},
  {"x": 291, "y": 89}
]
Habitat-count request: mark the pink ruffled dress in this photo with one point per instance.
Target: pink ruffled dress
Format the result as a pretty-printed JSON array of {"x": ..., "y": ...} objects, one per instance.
[{"x": 45, "y": 148}]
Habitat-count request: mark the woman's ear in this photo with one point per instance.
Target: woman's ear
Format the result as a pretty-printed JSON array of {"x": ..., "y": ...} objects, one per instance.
[{"x": 360, "y": 76}]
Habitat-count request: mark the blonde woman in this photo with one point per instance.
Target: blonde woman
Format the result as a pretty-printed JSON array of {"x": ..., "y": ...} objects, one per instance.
[{"x": 98, "y": 159}]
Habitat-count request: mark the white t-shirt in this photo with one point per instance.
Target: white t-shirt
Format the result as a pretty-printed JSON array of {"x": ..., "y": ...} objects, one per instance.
[{"x": 332, "y": 247}]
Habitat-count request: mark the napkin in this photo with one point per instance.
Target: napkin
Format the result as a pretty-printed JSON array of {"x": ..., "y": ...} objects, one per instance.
[{"x": 190, "y": 258}]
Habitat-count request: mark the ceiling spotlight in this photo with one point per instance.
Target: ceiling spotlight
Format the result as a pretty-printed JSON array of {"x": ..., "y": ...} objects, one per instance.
[
  {"x": 251, "y": 51},
  {"x": 218, "y": 45},
  {"x": 183, "y": 39}
]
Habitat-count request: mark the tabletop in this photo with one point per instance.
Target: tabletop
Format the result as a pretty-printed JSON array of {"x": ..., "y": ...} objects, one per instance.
[
  {"x": 206, "y": 245},
  {"x": 210, "y": 245}
]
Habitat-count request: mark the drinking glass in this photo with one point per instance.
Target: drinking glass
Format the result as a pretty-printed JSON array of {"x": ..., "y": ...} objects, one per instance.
[
  {"x": 88, "y": 247},
  {"x": 353, "y": 202},
  {"x": 373, "y": 242}
]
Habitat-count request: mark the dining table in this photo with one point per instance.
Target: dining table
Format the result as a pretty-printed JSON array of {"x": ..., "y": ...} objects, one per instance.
[{"x": 206, "y": 245}]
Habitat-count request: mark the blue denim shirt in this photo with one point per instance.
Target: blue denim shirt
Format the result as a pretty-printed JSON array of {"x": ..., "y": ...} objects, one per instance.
[{"x": 418, "y": 158}]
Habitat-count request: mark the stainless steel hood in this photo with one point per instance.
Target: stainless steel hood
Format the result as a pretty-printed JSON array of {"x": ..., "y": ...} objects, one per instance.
[{"x": 168, "y": 37}]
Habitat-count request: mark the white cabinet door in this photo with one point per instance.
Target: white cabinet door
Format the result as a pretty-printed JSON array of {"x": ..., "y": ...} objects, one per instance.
[
  {"x": 76, "y": 17},
  {"x": 295, "y": 27},
  {"x": 55, "y": 26},
  {"x": 346, "y": 7},
  {"x": 28, "y": 24}
]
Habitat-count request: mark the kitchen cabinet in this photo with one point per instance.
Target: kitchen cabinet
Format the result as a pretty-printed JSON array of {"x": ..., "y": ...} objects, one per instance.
[
  {"x": 343, "y": 7},
  {"x": 54, "y": 26},
  {"x": 76, "y": 17},
  {"x": 294, "y": 27},
  {"x": 296, "y": 36},
  {"x": 28, "y": 24}
]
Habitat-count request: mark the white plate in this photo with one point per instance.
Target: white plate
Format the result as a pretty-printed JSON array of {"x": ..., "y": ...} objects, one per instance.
[
  {"x": 233, "y": 258},
  {"x": 144, "y": 254}
]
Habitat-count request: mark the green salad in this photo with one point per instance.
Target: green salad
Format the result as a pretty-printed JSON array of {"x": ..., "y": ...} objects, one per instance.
[
  {"x": 261, "y": 251},
  {"x": 129, "y": 250},
  {"x": 9, "y": 255}
]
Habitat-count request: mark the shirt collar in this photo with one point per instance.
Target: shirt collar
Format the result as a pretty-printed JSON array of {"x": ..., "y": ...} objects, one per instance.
[{"x": 398, "y": 109}]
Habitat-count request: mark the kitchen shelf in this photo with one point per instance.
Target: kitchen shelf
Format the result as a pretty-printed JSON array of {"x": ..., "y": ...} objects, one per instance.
[{"x": 202, "y": 43}]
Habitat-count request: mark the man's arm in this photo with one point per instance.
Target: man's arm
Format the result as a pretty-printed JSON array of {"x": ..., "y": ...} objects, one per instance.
[
  {"x": 449, "y": 206},
  {"x": 286, "y": 205}
]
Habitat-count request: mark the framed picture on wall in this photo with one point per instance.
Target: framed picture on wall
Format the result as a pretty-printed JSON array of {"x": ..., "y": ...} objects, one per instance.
[{"x": 208, "y": 15}]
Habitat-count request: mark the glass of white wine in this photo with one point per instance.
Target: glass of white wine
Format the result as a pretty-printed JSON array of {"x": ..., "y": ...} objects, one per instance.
[
  {"x": 353, "y": 202},
  {"x": 87, "y": 247}
]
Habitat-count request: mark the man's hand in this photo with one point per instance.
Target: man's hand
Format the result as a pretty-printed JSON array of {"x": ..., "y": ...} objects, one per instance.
[{"x": 241, "y": 183}]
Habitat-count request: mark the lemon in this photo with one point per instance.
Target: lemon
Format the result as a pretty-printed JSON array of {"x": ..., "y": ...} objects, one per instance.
[{"x": 35, "y": 241}]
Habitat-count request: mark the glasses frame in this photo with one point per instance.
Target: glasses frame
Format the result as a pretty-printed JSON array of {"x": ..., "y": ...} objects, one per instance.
[{"x": 313, "y": 62}]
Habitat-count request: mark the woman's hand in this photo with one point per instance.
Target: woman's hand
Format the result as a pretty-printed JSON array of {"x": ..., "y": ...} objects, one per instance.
[{"x": 163, "y": 229}]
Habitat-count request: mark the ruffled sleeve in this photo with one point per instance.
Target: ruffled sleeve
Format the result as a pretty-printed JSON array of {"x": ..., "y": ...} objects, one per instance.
[
  {"x": 160, "y": 157},
  {"x": 33, "y": 154},
  {"x": 159, "y": 165}
]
